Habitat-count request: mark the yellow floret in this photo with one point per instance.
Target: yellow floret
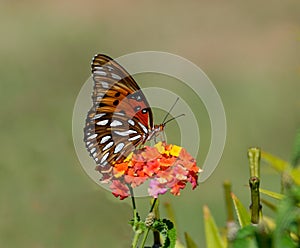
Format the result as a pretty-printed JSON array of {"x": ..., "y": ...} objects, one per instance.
[
  {"x": 160, "y": 148},
  {"x": 175, "y": 150},
  {"x": 128, "y": 158}
]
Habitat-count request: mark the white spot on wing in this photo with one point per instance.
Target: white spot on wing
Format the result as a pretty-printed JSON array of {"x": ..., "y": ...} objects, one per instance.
[
  {"x": 104, "y": 158},
  {"x": 125, "y": 133},
  {"x": 99, "y": 98},
  {"x": 92, "y": 136},
  {"x": 131, "y": 122},
  {"x": 134, "y": 137},
  {"x": 119, "y": 147},
  {"x": 116, "y": 123},
  {"x": 97, "y": 116},
  {"x": 102, "y": 123},
  {"x": 109, "y": 145},
  {"x": 94, "y": 149},
  {"x": 100, "y": 73},
  {"x": 105, "y": 85},
  {"x": 115, "y": 76},
  {"x": 110, "y": 68},
  {"x": 104, "y": 139},
  {"x": 143, "y": 127},
  {"x": 119, "y": 113}
]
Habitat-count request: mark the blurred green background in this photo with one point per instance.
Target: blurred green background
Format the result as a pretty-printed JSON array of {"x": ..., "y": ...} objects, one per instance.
[{"x": 250, "y": 51}]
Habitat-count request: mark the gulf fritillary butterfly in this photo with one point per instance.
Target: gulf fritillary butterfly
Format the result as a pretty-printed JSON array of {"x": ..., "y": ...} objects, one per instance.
[{"x": 120, "y": 119}]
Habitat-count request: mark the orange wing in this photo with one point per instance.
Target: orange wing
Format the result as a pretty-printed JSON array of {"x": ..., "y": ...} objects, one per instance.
[{"x": 120, "y": 118}]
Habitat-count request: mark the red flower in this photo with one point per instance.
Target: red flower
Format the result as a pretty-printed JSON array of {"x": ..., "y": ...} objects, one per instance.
[
  {"x": 135, "y": 181},
  {"x": 152, "y": 167},
  {"x": 119, "y": 189},
  {"x": 175, "y": 190},
  {"x": 167, "y": 167}
]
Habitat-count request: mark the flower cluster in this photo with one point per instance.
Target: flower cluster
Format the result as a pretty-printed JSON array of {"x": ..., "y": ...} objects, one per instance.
[{"x": 166, "y": 166}]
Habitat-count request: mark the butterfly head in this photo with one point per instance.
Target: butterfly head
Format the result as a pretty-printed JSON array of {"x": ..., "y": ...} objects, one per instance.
[
  {"x": 159, "y": 127},
  {"x": 156, "y": 131}
]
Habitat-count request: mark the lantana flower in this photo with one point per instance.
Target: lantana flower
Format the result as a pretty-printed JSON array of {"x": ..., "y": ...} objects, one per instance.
[{"x": 166, "y": 166}]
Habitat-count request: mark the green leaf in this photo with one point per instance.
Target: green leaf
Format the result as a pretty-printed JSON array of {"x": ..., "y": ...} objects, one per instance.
[
  {"x": 253, "y": 236},
  {"x": 189, "y": 241},
  {"x": 296, "y": 150},
  {"x": 213, "y": 238},
  {"x": 159, "y": 226},
  {"x": 245, "y": 238},
  {"x": 140, "y": 225},
  {"x": 295, "y": 174},
  {"x": 241, "y": 212},
  {"x": 277, "y": 163},
  {"x": 287, "y": 220},
  {"x": 170, "y": 241},
  {"x": 168, "y": 232},
  {"x": 271, "y": 194},
  {"x": 268, "y": 204}
]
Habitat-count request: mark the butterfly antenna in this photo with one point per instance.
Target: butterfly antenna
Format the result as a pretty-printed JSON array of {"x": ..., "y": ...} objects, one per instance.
[
  {"x": 173, "y": 118},
  {"x": 170, "y": 111}
]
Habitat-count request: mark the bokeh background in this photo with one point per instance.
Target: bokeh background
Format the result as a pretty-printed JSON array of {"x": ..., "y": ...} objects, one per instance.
[{"x": 250, "y": 51}]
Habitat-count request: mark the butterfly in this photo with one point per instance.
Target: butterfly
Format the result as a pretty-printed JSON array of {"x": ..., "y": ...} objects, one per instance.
[{"x": 120, "y": 119}]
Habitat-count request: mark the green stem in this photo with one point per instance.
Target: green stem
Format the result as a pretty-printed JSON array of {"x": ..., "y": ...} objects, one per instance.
[
  {"x": 153, "y": 205},
  {"x": 254, "y": 181},
  {"x": 255, "y": 199},
  {"x": 148, "y": 228},
  {"x": 254, "y": 161},
  {"x": 137, "y": 231},
  {"x": 136, "y": 237},
  {"x": 145, "y": 237},
  {"x": 135, "y": 215},
  {"x": 156, "y": 234}
]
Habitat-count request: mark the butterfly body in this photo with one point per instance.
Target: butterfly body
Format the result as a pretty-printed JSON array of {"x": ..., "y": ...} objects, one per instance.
[{"x": 120, "y": 119}]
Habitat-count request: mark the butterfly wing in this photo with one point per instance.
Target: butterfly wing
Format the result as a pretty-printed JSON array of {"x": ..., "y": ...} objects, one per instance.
[{"x": 120, "y": 118}]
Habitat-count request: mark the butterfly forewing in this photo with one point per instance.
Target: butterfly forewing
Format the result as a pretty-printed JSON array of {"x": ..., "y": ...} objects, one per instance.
[{"x": 120, "y": 118}]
